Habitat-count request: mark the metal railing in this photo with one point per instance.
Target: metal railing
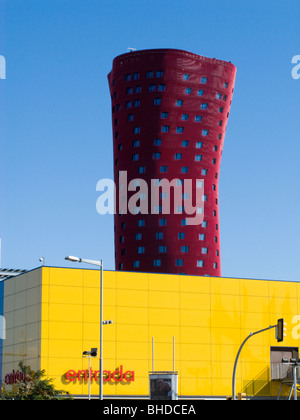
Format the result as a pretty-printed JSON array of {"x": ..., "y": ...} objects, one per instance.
[{"x": 282, "y": 372}]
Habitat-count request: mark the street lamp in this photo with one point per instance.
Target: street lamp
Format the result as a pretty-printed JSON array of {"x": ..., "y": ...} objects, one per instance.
[
  {"x": 295, "y": 363},
  {"x": 90, "y": 354},
  {"x": 98, "y": 264}
]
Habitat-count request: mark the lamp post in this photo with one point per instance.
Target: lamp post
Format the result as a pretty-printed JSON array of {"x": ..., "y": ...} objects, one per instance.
[
  {"x": 89, "y": 354},
  {"x": 99, "y": 264},
  {"x": 295, "y": 363}
]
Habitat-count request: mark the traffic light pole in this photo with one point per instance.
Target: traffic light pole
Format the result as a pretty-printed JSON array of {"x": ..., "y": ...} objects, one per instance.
[{"x": 238, "y": 355}]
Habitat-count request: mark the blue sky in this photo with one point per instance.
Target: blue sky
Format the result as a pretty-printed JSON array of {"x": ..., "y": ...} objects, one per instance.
[{"x": 55, "y": 124}]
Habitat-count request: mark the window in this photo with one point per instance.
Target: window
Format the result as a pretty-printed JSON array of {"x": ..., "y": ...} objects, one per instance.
[
  {"x": 164, "y": 115},
  {"x": 178, "y": 156},
  {"x": 188, "y": 91},
  {"x": 203, "y": 105},
  {"x": 215, "y": 265},
  {"x": 130, "y": 117},
  {"x": 201, "y": 236},
  {"x": 127, "y": 77},
  {"x": 184, "y": 222},
  {"x": 179, "y": 130},
  {"x": 136, "y": 143},
  {"x": 138, "y": 236},
  {"x": 157, "y": 101},
  {"x": 224, "y": 97},
  {"x": 184, "y": 248},
  {"x": 121, "y": 266},
  {"x": 199, "y": 144},
  {"x": 136, "y": 264},
  {"x": 136, "y": 103},
  {"x": 221, "y": 109},
  {"x": 129, "y": 91},
  {"x": 159, "y": 73},
  {"x": 136, "y": 130},
  {"x": 179, "y": 263},
  {"x": 214, "y": 161},
  {"x": 128, "y": 104},
  {"x": 185, "y": 143},
  {"x": 184, "y": 169},
  {"x": 161, "y": 88},
  {"x": 203, "y": 79},
  {"x": 204, "y": 250},
  {"x": 204, "y": 224},
  {"x": 159, "y": 235},
  {"x": 186, "y": 76},
  {"x": 120, "y": 147},
  {"x": 226, "y": 85},
  {"x": 181, "y": 235},
  {"x": 156, "y": 263},
  {"x": 205, "y": 132},
  {"x": 135, "y": 156},
  {"x": 163, "y": 169},
  {"x": 122, "y": 238},
  {"x": 162, "y": 222},
  {"x": 215, "y": 239},
  {"x": 204, "y": 172},
  {"x": 156, "y": 155},
  {"x": 220, "y": 123},
  {"x": 157, "y": 142},
  {"x": 198, "y": 118},
  {"x": 219, "y": 136},
  {"x": 179, "y": 102},
  {"x": 185, "y": 117},
  {"x": 215, "y": 148},
  {"x": 198, "y": 158},
  {"x": 162, "y": 249},
  {"x": 151, "y": 88},
  {"x": 141, "y": 223},
  {"x": 200, "y": 92},
  {"x": 200, "y": 263},
  {"x": 165, "y": 128},
  {"x": 137, "y": 89},
  {"x": 149, "y": 74},
  {"x": 141, "y": 250},
  {"x": 142, "y": 169},
  {"x": 219, "y": 95},
  {"x": 135, "y": 76}
]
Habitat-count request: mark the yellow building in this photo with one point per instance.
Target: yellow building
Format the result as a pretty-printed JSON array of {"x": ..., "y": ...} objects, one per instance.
[{"x": 52, "y": 317}]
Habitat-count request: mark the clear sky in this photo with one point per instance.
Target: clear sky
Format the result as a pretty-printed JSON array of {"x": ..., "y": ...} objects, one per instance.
[{"x": 55, "y": 124}]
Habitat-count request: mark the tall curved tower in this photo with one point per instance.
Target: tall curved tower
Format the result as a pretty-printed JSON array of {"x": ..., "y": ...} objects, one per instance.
[{"x": 169, "y": 115}]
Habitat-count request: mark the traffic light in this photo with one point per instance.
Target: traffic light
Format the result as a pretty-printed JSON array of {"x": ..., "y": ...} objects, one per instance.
[{"x": 280, "y": 330}]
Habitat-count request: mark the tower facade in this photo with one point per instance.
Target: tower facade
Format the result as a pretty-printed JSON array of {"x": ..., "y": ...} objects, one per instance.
[{"x": 170, "y": 110}]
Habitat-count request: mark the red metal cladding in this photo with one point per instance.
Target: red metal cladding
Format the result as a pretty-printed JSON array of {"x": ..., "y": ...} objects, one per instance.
[{"x": 169, "y": 115}]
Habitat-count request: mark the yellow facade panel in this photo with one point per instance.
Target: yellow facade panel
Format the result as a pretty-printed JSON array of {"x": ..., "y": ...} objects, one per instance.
[
  {"x": 195, "y": 284},
  {"x": 53, "y": 316},
  {"x": 195, "y": 301}
]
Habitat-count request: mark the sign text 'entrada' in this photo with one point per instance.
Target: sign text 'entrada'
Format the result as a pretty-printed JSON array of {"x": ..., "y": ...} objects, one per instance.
[{"x": 119, "y": 375}]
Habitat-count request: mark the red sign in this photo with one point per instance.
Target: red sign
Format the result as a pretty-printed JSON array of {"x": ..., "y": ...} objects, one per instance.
[
  {"x": 117, "y": 376},
  {"x": 14, "y": 377}
]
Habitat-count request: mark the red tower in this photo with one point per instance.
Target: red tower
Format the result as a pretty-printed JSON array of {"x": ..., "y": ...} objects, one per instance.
[{"x": 169, "y": 115}]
